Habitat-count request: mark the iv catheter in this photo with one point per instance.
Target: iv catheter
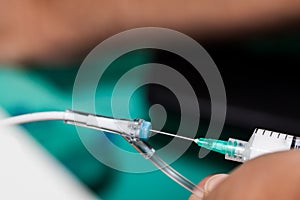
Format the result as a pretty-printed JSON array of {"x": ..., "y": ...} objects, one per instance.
[{"x": 136, "y": 132}]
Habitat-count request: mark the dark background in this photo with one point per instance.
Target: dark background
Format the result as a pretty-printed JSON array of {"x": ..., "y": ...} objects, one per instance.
[{"x": 261, "y": 77}]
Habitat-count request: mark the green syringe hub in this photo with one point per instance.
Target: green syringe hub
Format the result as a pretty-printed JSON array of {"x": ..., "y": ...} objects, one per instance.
[{"x": 220, "y": 146}]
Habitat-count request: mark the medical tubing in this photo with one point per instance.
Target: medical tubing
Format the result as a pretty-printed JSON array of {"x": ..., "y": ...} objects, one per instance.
[
  {"x": 176, "y": 176},
  {"x": 142, "y": 147},
  {"x": 149, "y": 153},
  {"x": 74, "y": 117},
  {"x": 33, "y": 117}
]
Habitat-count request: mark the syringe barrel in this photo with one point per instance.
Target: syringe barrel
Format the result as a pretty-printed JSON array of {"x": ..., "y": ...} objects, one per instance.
[
  {"x": 295, "y": 143},
  {"x": 262, "y": 142},
  {"x": 237, "y": 150}
]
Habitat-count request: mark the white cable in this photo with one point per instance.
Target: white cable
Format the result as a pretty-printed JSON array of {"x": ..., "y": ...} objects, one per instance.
[
  {"x": 82, "y": 119},
  {"x": 33, "y": 117}
]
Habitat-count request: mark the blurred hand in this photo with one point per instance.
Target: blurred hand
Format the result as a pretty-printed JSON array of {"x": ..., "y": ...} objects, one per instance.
[
  {"x": 59, "y": 30},
  {"x": 272, "y": 176},
  {"x": 51, "y": 31}
]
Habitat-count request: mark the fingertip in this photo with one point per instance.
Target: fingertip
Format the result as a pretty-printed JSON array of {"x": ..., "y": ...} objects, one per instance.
[
  {"x": 208, "y": 184},
  {"x": 213, "y": 182}
]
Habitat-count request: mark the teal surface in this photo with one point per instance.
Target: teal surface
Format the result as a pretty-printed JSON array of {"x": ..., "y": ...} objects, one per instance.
[{"x": 25, "y": 90}]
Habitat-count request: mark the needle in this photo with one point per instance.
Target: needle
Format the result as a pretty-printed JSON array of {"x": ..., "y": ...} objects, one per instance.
[{"x": 169, "y": 134}]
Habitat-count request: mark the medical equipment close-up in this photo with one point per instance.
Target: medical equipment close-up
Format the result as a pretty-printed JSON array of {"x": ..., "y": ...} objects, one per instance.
[
  {"x": 134, "y": 131},
  {"x": 137, "y": 131},
  {"x": 261, "y": 142}
]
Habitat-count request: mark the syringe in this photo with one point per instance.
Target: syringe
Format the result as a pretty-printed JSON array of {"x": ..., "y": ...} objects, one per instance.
[{"x": 261, "y": 142}]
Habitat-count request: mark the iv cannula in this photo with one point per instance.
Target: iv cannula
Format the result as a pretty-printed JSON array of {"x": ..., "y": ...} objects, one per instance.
[
  {"x": 261, "y": 142},
  {"x": 134, "y": 131}
]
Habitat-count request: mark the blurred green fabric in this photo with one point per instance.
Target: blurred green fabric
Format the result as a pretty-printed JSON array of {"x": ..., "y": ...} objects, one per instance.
[{"x": 25, "y": 90}]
